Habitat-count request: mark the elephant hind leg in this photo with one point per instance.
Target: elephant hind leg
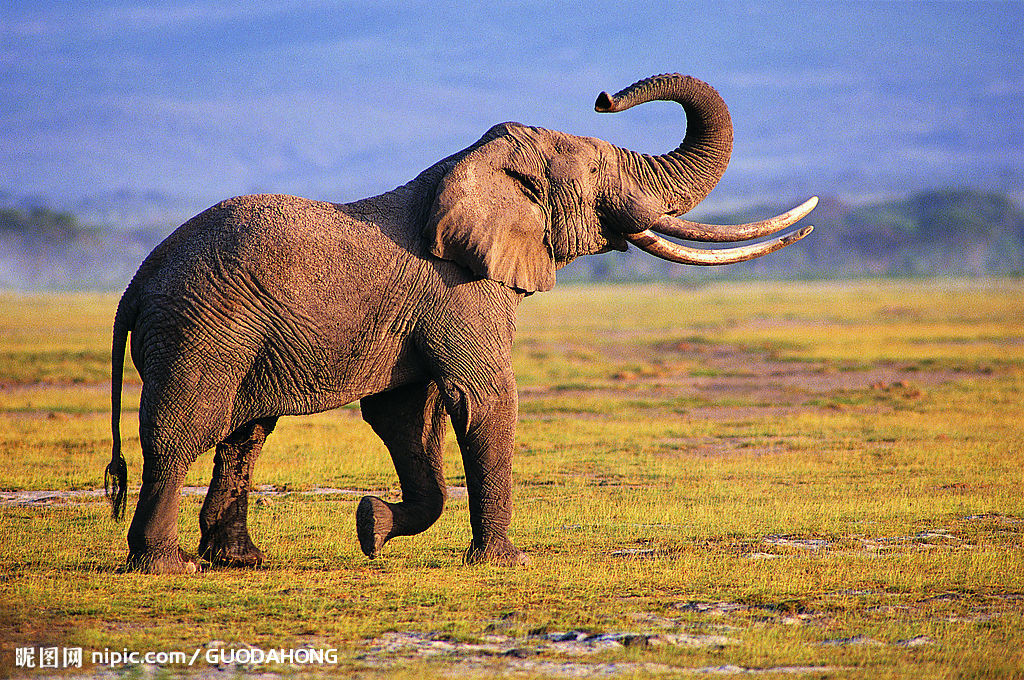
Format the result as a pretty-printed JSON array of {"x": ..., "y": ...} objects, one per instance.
[
  {"x": 223, "y": 520},
  {"x": 153, "y": 534},
  {"x": 411, "y": 421}
]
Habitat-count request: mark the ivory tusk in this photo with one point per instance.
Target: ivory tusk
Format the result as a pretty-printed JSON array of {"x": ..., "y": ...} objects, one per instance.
[
  {"x": 655, "y": 245},
  {"x": 716, "y": 233}
]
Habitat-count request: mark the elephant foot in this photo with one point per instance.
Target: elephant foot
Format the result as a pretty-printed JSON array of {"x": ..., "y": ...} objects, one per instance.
[
  {"x": 498, "y": 553},
  {"x": 374, "y": 522},
  {"x": 227, "y": 552},
  {"x": 177, "y": 562}
]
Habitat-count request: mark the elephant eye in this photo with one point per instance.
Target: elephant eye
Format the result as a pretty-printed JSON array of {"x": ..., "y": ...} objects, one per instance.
[{"x": 529, "y": 186}]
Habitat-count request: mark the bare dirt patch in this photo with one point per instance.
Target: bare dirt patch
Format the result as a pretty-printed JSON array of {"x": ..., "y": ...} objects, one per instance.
[
  {"x": 736, "y": 383},
  {"x": 759, "y": 378}
]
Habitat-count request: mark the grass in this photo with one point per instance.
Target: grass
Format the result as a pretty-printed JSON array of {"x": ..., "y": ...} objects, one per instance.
[{"x": 817, "y": 478}]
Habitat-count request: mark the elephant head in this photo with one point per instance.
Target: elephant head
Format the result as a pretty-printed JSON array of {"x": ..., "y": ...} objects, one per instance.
[{"x": 524, "y": 201}]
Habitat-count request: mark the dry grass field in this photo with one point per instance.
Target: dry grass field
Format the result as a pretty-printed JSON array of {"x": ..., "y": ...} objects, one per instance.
[{"x": 788, "y": 479}]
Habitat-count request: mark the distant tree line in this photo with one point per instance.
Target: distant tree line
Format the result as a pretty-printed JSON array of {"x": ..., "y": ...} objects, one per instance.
[
  {"x": 40, "y": 223},
  {"x": 41, "y": 249},
  {"x": 957, "y": 232}
]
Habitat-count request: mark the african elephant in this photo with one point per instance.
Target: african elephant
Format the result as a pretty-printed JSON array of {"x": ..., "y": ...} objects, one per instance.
[{"x": 265, "y": 306}]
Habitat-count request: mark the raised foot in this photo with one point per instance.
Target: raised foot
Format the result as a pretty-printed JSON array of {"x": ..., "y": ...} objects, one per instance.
[
  {"x": 502, "y": 554},
  {"x": 241, "y": 553},
  {"x": 177, "y": 562},
  {"x": 374, "y": 521}
]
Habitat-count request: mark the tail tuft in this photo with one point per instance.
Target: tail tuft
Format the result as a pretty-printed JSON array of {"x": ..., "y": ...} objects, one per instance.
[{"x": 115, "y": 481}]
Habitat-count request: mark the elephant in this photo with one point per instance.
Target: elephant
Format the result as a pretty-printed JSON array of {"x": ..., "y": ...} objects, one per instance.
[{"x": 265, "y": 306}]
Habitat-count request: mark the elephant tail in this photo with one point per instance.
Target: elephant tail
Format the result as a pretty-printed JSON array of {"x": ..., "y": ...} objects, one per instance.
[{"x": 115, "y": 478}]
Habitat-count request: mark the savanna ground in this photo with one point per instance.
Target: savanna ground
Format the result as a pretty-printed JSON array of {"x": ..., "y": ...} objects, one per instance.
[{"x": 799, "y": 479}]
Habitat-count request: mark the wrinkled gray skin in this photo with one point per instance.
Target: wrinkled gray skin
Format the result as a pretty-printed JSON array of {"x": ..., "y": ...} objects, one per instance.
[{"x": 267, "y": 306}]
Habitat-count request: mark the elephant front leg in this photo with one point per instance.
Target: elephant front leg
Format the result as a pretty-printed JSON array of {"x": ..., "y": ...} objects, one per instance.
[
  {"x": 410, "y": 421},
  {"x": 485, "y": 428},
  {"x": 223, "y": 520}
]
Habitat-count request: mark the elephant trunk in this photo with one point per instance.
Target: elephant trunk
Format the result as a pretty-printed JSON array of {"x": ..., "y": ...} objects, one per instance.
[
  {"x": 683, "y": 177},
  {"x": 663, "y": 187}
]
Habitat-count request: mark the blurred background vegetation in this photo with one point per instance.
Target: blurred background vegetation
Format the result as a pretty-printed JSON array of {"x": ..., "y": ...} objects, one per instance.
[{"x": 947, "y": 232}]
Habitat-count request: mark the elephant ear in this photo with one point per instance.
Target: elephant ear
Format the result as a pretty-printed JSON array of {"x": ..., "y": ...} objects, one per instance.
[{"x": 482, "y": 219}]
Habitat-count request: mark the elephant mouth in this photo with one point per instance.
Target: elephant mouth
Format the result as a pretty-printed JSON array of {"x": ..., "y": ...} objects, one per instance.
[{"x": 649, "y": 241}]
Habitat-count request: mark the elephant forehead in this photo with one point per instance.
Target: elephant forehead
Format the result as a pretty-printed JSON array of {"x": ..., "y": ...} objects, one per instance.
[{"x": 573, "y": 160}]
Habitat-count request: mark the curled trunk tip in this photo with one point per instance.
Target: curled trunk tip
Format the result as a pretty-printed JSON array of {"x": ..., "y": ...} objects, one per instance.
[{"x": 604, "y": 103}]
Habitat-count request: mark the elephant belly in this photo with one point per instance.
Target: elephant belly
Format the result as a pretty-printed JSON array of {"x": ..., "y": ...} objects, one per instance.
[{"x": 293, "y": 378}]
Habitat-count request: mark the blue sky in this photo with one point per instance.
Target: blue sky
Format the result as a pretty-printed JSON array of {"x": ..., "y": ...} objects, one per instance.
[{"x": 203, "y": 100}]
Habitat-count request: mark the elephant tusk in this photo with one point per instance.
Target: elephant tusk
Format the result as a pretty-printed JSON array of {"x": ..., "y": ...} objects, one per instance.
[
  {"x": 655, "y": 245},
  {"x": 715, "y": 233}
]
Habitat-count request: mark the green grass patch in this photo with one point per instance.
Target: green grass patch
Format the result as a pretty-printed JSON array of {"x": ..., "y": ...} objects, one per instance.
[{"x": 821, "y": 479}]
